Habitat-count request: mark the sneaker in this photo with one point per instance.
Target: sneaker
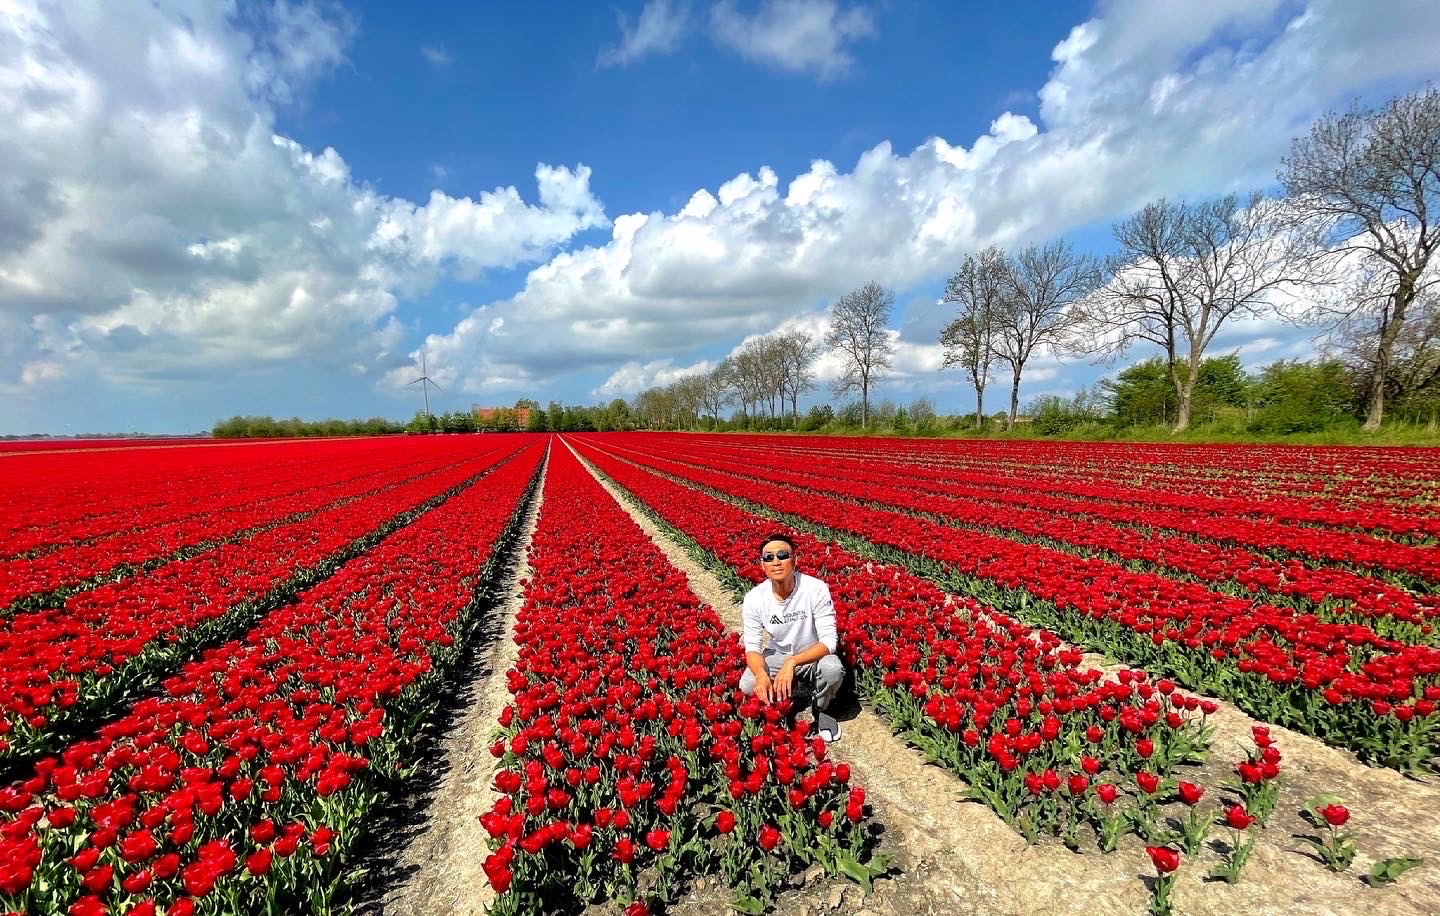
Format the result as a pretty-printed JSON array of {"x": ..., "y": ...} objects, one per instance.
[{"x": 827, "y": 727}]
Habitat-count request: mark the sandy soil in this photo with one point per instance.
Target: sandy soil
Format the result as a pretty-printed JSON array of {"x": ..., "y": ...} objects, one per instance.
[
  {"x": 439, "y": 870},
  {"x": 958, "y": 857}
]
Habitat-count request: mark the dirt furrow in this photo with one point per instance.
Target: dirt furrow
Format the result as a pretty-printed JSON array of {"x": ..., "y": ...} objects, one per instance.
[{"x": 438, "y": 870}]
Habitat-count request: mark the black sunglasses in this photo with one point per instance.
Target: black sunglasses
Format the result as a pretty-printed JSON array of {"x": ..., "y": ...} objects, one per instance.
[{"x": 777, "y": 555}]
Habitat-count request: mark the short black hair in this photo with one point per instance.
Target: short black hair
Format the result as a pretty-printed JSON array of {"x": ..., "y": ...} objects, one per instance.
[{"x": 777, "y": 537}]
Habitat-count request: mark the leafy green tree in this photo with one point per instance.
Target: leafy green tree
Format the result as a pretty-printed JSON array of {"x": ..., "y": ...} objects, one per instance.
[
  {"x": 1142, "y": 394},
  {"x": 1295, "y": 396},
  {"x": 1221, "y": 383},
  {"x": 617, "y": 414},
  {"x": 819, "y": 416},
  {"x": 458, "y": 421},
  {"x": 423, "y": 422},
  {"x": 1051, "y": 415}
]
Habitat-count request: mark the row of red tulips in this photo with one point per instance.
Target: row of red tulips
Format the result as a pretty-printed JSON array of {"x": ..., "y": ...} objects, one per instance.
[
  {"x": 60, "y": 499},
  {"x": 242, "y": 787},
  {"x": 63, "y": 668},
  {"x": 628, "y": 759},
  {"x": 1050, "y": 745},
  {"x": 182, "y": 530},
  {"x": 1203, "y": 484},
  {"x": 1336, "y": 595},
  {"x": 995, "y": 500},
  {"x": 1355, "y": 477},
  {"x": 1340, "y": 682}
]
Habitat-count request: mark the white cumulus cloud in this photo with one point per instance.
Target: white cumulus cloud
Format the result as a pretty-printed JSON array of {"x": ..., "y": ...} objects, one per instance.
[
  {"x": 803, "y": 36},
  {"x": 153, "y": 223},
  {"x": 634, "y": 377},
  {"x": 657, "y": 30}
]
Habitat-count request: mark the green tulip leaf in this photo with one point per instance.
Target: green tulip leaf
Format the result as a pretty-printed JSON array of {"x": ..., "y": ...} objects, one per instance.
[{"x": 1387, "y": 870}]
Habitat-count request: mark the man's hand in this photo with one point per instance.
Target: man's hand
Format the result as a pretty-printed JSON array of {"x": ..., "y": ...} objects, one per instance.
[
  {"x": 762, "y": 687},
  {"x": 783, "y": 679}
]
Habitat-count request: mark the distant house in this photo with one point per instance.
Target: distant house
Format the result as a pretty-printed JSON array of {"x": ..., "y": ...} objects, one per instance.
[{"x": 488, "y": 417}]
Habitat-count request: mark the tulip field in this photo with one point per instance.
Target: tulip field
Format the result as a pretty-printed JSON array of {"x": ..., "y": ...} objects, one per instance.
[
  {"x": 217, "y": 662},
  {"x": 204, "y": 728}
]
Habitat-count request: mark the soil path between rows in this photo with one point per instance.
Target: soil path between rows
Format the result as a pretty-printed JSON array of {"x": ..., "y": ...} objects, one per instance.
[
  {"x": 960, "y": 857},
  {"x": 438, "y": 871}
]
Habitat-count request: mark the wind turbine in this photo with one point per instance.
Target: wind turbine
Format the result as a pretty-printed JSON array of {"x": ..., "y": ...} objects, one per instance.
[{"x": 424, "y": 381}]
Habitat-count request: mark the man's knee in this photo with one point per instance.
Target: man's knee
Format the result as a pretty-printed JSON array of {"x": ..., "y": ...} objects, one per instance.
[
  {"x": 830, "y": 671},
  {"x": 747, "y": 682}
]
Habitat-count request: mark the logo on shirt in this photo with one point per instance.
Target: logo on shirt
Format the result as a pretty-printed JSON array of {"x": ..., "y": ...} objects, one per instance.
[{"x": 775, "y": 620}]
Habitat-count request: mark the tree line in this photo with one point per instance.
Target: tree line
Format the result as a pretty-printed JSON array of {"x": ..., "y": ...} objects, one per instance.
[{"x": 267, "y": 427}]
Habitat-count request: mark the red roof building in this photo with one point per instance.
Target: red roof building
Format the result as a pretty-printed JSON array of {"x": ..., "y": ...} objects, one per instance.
[{"x": 522, "y": 414}]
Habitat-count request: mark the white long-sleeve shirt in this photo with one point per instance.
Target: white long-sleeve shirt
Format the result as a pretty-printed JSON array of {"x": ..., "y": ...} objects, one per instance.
[{"x": 793, "y": 625}]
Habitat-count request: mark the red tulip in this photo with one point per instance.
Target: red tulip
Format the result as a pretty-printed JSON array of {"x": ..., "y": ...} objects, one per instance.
[
  {"x": 581, "y": 836},
  {"x": 137, "y": 883},
  {"x": 1164, "y": 858},
  {"x": 258, "y": 862},
  {"x": 624, "y": 850},
  {"x": 1237, "y": 817},
  {"x": 98, "y": 879},
  {"x": 769, "y": 838}
]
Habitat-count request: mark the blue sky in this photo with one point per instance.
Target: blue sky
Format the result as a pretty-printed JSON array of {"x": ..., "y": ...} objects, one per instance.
[{"x": 272, "y": 208}]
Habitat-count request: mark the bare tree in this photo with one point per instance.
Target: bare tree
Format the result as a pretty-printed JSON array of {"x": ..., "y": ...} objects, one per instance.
[
  {"x": 1136, "y": 305},
  {"x": 978, "y": 287},
  {"x": 688, "y": 393},
  {"x": 756, "y": 375},
  {"x": 922, "y": 414},
  {"x": 654, "y": 408},
  {"x": 796, "y": 351},
  {"x": 1412, "y": 383},
  {"x": 774, "y": 371},
  {"x": 1045, "y": 283},
  {"x": 716, "y": 391},
  {"x": 1182, "y": 272},
  {"x": 1368, "y": 182},
  {"x": 860, "y": 331}
]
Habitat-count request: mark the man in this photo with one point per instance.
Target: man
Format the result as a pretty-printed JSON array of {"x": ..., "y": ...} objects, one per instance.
[{"x": 795, "y": 611}]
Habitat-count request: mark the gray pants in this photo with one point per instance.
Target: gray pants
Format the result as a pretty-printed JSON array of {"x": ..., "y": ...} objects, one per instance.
[{"x": 824, "y": 675}]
